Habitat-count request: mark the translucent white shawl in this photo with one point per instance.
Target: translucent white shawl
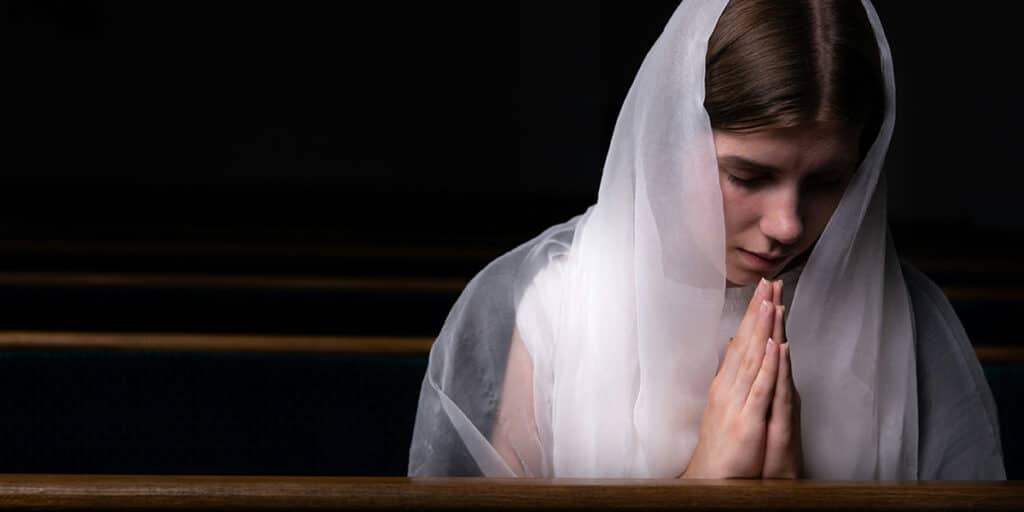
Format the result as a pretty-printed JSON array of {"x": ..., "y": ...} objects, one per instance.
[{"x": 609, "y": 377}]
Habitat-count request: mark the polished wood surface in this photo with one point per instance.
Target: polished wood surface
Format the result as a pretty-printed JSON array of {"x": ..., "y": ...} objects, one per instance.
[
  {"x": 194, "y": 249},
  {"x": 995, "y": 354},
  {"x": 250, "y": 282},
  {"x": 382, "y": 345},
  {"x": 413, "y": 345},
  {"x": 84, "y": 492},
  {"x": 381, "y": 284}
]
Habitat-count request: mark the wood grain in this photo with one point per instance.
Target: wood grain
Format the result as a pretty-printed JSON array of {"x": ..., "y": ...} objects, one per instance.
[
  {"x": 382, "y": 284},
  {"x": 94, "y": 492},
  {"x": 998, "y": 354},
  {"x": 216, "y": 342},
  {"x": 185, "y": 342}
]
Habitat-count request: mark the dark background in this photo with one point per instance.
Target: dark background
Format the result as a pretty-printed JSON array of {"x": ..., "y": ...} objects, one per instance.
[
  {"x": 389, "y": 120},
  {"x": 376, "y": 139}
]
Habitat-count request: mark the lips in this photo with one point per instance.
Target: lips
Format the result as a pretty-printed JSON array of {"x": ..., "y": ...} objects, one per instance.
[
  {"x": 769, "y": 257},
  {"x": 756, "y": 261}
]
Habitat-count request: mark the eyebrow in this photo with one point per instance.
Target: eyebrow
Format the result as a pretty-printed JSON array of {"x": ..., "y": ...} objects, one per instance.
[{"x": 736, "y": 161}]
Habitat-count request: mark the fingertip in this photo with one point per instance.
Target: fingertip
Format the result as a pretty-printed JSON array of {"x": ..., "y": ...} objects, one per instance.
[
  {"x": 765, "y": 324},
  {"x": 786, "y": 362},
  {"x": 772, "y": 365},
  {"x": 772, "y": 350}
]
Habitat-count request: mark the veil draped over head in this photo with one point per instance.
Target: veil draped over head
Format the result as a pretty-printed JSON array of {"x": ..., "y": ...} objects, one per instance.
[{"x": 589, "y": 351}]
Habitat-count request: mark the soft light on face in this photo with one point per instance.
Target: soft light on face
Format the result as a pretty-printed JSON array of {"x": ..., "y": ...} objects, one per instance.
[{"x": 779, "y": 189}]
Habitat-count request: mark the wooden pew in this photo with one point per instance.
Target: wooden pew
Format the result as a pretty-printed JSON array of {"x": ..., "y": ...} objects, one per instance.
[
  {"x": 354, "y": 304},
  {"x": 191, "y": 342},
  {"x": 177, "y": 310},
  {"x": 108, "y": 492},
  {"x": 166, "y": 404},
  {"x": 159, "y": 403},
  {"x": 215, "y": 343}
]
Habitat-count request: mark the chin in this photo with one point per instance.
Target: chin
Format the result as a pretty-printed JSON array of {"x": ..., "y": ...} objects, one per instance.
[{"x": 737, "y": 278}]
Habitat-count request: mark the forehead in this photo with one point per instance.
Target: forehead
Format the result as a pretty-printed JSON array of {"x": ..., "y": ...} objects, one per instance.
[{"x": 799, "y": 149}]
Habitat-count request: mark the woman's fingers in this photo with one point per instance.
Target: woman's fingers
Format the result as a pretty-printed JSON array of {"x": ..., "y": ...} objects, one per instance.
[
  {"x": 733, "y": 429},
  {"x": 779, "y": 327},
  {"x": 732, "y": 441},
  {"x": 762, "y": 293},
  {"x": 754, "y": 353},
  {"x": 728, "y": 350},
  {"x": 762, "y": 391},
  {"x": 783, "y": 454},
  {"x": 794, "y": 395},
  {"x": 783, "y": 403},
  {"x": 737, "y": 346}
]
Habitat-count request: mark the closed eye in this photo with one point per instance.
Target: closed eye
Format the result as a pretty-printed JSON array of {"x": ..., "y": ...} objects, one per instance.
[{"x": 745, "y": 182}]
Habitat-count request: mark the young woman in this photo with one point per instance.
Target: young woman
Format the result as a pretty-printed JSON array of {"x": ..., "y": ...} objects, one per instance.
[{"x": 640, "y": 339}]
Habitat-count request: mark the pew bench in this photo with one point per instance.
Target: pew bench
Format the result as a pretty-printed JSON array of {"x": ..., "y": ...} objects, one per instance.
[
  {"x": 108, "y": 403},
  {"x": 146, "y": 492}
]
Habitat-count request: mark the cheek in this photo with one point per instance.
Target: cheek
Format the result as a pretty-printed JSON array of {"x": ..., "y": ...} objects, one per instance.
[{"x": 739, "y": 210}]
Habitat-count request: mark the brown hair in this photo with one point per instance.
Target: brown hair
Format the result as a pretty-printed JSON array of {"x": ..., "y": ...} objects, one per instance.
[{"x": 779, "y": 63}]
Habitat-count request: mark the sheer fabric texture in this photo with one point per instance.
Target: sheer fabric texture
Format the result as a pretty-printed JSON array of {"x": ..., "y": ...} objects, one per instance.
[{"x": 589, "y": 351}]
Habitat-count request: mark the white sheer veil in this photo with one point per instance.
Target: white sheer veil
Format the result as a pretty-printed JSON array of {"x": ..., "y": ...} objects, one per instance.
[{"x": 624, "y": 348}]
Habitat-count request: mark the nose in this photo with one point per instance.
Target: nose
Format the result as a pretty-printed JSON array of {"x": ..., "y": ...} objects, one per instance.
[{"x": 780, "y": 218}]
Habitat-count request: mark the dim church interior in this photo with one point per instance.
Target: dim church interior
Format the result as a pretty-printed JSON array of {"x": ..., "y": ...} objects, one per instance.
[{"x": 226, "y": 252}]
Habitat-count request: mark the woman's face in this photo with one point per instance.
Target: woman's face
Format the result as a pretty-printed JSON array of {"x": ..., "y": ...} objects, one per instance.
[{"x": 779, "y": 189}]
